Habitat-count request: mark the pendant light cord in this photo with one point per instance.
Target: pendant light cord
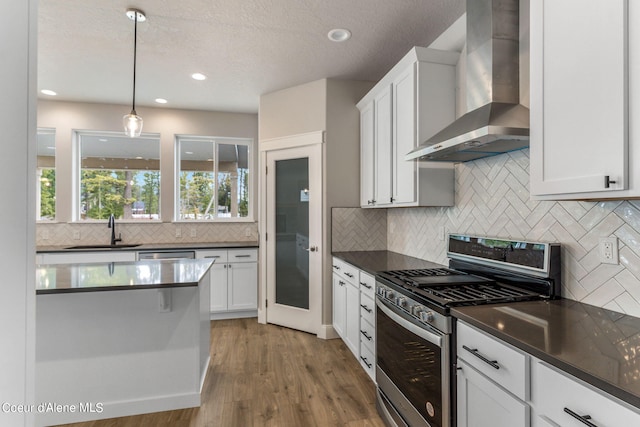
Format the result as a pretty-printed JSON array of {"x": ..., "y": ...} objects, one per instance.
[{"x": 135, "y": 49}]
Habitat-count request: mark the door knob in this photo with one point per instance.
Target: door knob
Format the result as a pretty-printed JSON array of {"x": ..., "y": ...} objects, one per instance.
[{"x": 311, "y": 249}]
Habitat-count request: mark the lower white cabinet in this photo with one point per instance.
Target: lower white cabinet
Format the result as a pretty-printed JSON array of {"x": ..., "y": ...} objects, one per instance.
[
  {"x": 566, "y": 401},
  {"x": 482, "y": 403},
  {"x": 346, "y": 312},
  {"x": 234, "y": 282},
  {"x": 354, "y": 312},
  {"x": 500, "y": 385}
]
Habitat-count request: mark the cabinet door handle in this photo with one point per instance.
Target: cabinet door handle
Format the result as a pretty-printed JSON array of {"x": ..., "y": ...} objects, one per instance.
[
  {"x": 341, "y": 283},
  {"x": 474, "y": 351},
  {"x": 336, "y": 267},
  {"x": 366, "y": 335},
  {"x": 348, "y": 275},
  {"x": 608, "y": 181},
  {"x": 366, "y": 362},
  {"x": 213, "y": 256},
  {"x": 243, "y": 256},
  {"x": 365, "y": 285},
  {"x": 584, "y": 419},
  {"x": 367, "y": 309}
]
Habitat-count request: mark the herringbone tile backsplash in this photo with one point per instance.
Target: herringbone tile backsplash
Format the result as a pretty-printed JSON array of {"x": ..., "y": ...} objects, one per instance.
[
  {"x": 95, "y": 233},
  {"x": 492, "y": 199},
  {"x": 354, "y": 229}
]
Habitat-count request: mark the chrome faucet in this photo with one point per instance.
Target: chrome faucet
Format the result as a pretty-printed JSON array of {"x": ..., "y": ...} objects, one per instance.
[{"x": 112, "y": 225}]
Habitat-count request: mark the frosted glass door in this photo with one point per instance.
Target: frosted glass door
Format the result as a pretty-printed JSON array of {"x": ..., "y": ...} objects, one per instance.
[{"x": 292, "y": 232}]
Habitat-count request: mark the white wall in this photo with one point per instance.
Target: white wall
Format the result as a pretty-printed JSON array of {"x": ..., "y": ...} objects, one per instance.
[{"x": 17, "y": 188}]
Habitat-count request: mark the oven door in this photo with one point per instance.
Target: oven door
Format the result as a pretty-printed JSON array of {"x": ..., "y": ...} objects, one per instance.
[{"x": 412, "y": 368}]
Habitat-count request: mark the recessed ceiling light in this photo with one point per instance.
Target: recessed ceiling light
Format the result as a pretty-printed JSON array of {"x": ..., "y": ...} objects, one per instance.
[
  {"x": 198, "y": 76},
  {"x": 102, "y": 140},
  {"x": 188, "y": 152},
  {"x": 161, "y": 101},
  {"x": 339, "y": 35},
  {"x": 139, "y": 158},
  {"x": 48, "y": 92}
]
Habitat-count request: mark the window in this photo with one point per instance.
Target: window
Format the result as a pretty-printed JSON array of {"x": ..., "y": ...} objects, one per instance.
[
  {"x": 118, "y": 175},
  {"x": 46, "y": 179},
  {"x": 214, "y": 181}
]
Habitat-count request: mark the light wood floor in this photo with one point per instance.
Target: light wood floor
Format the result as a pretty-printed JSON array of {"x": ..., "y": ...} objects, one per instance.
[{"x": 266, "y": 375}]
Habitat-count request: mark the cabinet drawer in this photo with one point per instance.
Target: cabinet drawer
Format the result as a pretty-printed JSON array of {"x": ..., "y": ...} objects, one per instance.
[
  {"x": 561, "y": 398},
  {"x": 220, "y": 256},
  {"x": 368, "y": 361},
  {"x": 367, "y": 284},
  {"x": 367, "y": 334},
  {"x": 242, "y": 255},
  {"x": 499, "y": 361},
  {"x": 367, "y": 309},
  {"x": 345, "y": 270}
]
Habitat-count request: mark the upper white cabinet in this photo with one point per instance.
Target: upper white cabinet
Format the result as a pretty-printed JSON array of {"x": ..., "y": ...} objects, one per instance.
[
  {"x": 412, "y": 102},
  {"x": 584, "y": 142}
]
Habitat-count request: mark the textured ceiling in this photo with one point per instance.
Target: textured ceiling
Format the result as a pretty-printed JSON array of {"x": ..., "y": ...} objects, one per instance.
[{"x": 245, "y": 47}]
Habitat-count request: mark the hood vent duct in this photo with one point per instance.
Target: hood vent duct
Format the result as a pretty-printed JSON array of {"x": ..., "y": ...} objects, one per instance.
[{"x": 496, "y": 121}]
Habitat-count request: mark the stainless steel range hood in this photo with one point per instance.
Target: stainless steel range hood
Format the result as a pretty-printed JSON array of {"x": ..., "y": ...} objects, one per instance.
[{"x": 496, "y": 121}]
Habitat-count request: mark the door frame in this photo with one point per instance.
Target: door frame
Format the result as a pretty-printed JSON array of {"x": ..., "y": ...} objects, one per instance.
[{"x": 283, "y": 143}]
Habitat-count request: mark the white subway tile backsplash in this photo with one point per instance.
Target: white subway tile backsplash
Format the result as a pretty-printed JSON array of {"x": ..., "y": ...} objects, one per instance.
[{"x": 492, "y": 198}]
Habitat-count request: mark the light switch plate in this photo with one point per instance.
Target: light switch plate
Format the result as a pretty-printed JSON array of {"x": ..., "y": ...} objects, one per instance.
[{"x": 194, "y": 232}]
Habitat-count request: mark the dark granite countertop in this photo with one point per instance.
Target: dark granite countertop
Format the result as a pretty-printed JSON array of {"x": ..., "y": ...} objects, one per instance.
[
  {"x": 112, "y": 276},
  {"x": 599, "y": 346},
  {"x": 374, "y": 261},
  {"x": 153, "y": 247}
]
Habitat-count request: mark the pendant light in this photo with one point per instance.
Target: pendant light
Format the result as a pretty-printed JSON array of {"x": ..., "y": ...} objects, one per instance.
[{"x": 132, "y": 121}]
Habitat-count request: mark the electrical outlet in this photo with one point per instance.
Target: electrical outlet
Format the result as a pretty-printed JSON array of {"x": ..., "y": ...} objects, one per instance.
[
  {"x": 45, "y": 234},
  {"x": 608, "y": 250},
  {"x": 247, "y": 232},
  {"x": 193, "y": 232},
  {"x": 76, "y": 235},
  {"x": 178, "y": 232}
]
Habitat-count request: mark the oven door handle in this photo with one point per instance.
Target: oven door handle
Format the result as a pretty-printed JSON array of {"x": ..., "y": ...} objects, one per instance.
[{"x": 433, "y": 338}]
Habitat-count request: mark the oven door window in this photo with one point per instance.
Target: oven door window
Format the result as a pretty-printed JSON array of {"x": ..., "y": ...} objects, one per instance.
[{"x": 413, "y": 364}]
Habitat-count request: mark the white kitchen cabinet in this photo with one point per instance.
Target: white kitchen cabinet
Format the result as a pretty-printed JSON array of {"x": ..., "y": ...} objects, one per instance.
[
  {"x": 346, "y": 320},
  {"x": 562, "y": 399},
  {"x": 85, "y": 257},
  {"x": 367, "y": 155},
  {"x": 234, "y": 282},
  {"x": 584, "y": 136},
  {"x": 492, "y": 380},
  {"x": 482, "y": 403},
  {"x": 412, "y": 102}
]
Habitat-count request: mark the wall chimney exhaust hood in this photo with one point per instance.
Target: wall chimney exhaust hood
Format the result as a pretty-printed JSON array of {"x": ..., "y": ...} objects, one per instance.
[{"x": 496, "y": 122}]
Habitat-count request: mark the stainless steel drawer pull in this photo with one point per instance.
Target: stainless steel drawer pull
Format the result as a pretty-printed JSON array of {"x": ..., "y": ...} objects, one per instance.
[
  {"x": 366, "y": 335},
  {"x": 341, "y": 283},
  {"x": 336, "y": 267},
  {"x": 213, "y": 256},
  {"x": 348, "y": 275},
  {"x": 474, "y": 351},
  {"x": 242, "y": 256},
  {"x": 366, "y": 362},
  {"x": 584, "y": 419},
  {"x": 367, "y": 309},
  {"x": 365, "y": 285}
]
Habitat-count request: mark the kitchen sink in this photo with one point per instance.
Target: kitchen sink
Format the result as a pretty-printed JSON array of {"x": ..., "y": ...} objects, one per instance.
[{"x": 103, "y": 246}]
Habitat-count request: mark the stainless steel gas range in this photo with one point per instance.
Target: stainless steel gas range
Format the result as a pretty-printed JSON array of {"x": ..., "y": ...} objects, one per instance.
[{"x": 415, "y": 360}]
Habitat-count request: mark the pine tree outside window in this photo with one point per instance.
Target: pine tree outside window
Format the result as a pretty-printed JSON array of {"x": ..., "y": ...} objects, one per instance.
[
  {"x": 213, "y": 179},
  {"x": 119, "y": 176}
]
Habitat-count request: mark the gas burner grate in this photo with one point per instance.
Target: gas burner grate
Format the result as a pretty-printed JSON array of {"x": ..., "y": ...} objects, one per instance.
[
  {"x": 477, "y": 293},
  {"x": 407, "y": 274}
]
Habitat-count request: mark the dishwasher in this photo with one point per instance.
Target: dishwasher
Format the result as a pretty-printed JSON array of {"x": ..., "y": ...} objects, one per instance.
[{"x": 166, "y": 255}]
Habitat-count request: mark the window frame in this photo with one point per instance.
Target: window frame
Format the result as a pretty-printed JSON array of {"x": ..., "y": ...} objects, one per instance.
[
  {"x": 247, "y": 141},
  {"x": 47, "y": 131},
  {"x": 77, "y": 171}
]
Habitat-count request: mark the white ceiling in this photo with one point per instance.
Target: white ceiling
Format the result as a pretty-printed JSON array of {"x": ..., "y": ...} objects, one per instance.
[{"x": 245, "y": 47}]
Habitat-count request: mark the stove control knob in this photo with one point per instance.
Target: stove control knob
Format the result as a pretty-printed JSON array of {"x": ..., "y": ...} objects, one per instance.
[
  {"x": 389, "y": 294},
  {"x": 401, "y": 302},
  {"x": 416, "y": 310},
  {"x": 427, "y": 316}
]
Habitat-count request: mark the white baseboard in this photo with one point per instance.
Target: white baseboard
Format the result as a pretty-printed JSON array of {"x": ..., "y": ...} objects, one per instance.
[
  {"x": 234, "y": 315},
  {"x": 327, "y": 332}
]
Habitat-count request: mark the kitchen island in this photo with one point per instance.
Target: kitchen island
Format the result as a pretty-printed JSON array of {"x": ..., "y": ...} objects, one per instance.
[{"x": 117, "y": 339}]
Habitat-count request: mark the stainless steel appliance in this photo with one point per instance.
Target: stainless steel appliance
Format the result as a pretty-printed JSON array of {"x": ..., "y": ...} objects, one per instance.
[{"x": 414, "y": 351}]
